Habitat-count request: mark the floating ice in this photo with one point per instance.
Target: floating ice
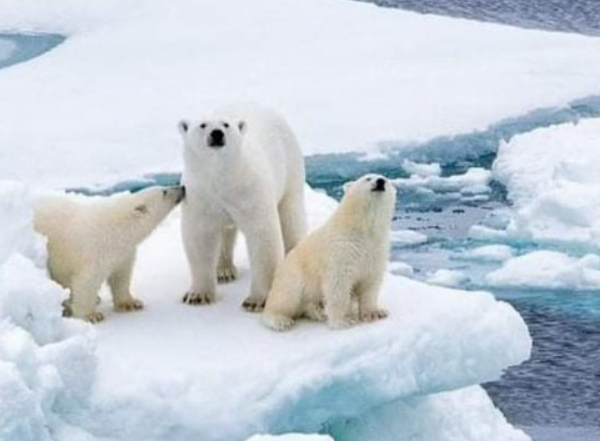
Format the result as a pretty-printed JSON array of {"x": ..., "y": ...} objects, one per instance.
[
  {"x": 407, "y": 238},
  {"x": 488, "y": 253},
  {"x": 553, "y": 179},
  {"x": 291, "y": 437},
  {"x": 449, "y": 278},
  {"x": 401, "y": 269},
  {"x": 471, "y": 185},
  {"x": 548, "y": 269},
  {"x": 423, "y": 170}
]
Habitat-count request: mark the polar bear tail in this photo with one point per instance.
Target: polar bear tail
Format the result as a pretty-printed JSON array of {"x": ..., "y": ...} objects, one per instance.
[{"x": 278, "y": 322}]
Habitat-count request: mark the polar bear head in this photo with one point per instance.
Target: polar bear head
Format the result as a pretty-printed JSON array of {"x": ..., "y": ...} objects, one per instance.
[
  {"x": 371, "y": 195},
  {"x": 213, "y": 136},
  {"x": 150, "y": 206}
]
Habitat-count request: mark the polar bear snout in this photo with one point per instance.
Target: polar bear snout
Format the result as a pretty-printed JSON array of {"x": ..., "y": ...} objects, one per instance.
[
  {"x": 174, "y": 194},
  {"x": 216, "y": 138},
  {"x": 379, "y": 184}
]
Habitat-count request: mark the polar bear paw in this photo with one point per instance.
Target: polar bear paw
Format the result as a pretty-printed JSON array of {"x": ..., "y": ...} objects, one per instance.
[
  {"x": 372, "y": 316},
  {"x": 226, "y": 273},
  {"x": 316, "y": 312},
  {"x": 129, "y": 305},
  {"x": 277, "y": 322},
  {"x": 254, "y": 303},
  {"x": 198, "y": 298},
  {"x": 343, "y": 322},
  {"x": 94, "y": 317}
]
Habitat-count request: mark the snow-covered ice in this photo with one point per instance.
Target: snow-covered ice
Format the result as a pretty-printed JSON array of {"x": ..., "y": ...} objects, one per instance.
[
  {"x": 549, "y": 270},
  {"x": 553, "y": 179},
  {"x": 215, "y": 373},
  {"x": 129, "y": 70}
]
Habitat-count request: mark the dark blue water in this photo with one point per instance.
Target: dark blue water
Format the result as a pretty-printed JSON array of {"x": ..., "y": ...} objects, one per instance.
[{"x": 580, "y": 16}]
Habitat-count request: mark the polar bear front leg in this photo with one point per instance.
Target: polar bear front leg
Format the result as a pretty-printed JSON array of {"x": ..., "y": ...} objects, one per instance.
[
  {"x": 202, "y": 250},
  {"x": 368, "y": 293},
  {"x": 265, "y": 246},
  {"x": 337, "y": 294},
  {"x": 226, "y": 270},
  {"x": 119, "y": 283},
  {"x": 84, "y": 296}
]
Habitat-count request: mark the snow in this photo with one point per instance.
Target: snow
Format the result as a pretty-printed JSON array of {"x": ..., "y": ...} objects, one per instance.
[
  {"x": 407, "y": 238},
  {"x": 175, "y": 364},
  {"x": 449, "y": 278},
  {"x": 553, "y": 179},
  {"x": 129, "y": 70},
  {"x": 487, "y": 253},
  {"x": 47, "y": 363},
  {"x": 550, "y": 270}
]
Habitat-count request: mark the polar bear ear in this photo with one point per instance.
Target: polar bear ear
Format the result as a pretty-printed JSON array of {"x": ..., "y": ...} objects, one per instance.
[
  {"x": 242, "y": 126},
  {"x": 347, "y": 186},
  {"x": 183, "y": 126}
]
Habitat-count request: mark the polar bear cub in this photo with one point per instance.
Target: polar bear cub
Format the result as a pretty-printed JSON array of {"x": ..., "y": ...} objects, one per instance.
[
  {"x": 94, "y": 239},
  {"x": 242, "y": 170},
  {"x": 340, "y": 263}
]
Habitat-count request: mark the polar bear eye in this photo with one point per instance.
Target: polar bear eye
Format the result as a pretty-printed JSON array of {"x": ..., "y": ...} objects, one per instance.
[
  {"x": 226, "y": 125},
  {"x": 203, "y": 126},
  {"x": 369, "y": 179}
]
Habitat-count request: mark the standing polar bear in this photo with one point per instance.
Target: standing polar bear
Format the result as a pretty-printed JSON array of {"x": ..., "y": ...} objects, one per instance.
[
  {"x": 94, "y": 239},
  {"x": 342, "y": 261},
  {"x": 241, "y": 170}
]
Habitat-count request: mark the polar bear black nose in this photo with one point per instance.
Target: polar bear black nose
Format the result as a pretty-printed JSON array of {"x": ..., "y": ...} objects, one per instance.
[
  {"x": 379, "y": 185},
  {"x": 216, "y": 138}
]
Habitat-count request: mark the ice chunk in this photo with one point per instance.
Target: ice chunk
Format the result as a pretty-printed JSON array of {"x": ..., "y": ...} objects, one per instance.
[
  {"x": 291, "y": 437},
  {"x": 466, "y": 414},
  {"x": 473, "y": 182},
  {"x": 449, "y": 278},
  {"x": 407, "y": 238},
  {"x": 549, "y": 269},
  {"x": 488, "y": 253},
  {"x": 552, "y": 177},
  {"x": 401, "y": 269},
  {"x": 423, "y": 170}
]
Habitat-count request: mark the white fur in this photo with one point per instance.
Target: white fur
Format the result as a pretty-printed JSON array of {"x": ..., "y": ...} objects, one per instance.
[
  {"x": 340, "y": 263},
  {"x": 94, "y": 239},
  {"x": 255, "y": 182}
]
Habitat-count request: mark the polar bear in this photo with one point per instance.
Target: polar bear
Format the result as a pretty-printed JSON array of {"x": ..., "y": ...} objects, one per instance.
[
  {"x": 94, "y": 239},
  {"x": 241, "y": 170},
  {"x": 340, "y": 262}
]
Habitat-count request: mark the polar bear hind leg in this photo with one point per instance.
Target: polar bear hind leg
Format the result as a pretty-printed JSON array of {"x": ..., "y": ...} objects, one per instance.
[
  {"x": 292, "y": 216},
  {"x": 226, "y": 270},
  {"x": 84, "y": 295}
]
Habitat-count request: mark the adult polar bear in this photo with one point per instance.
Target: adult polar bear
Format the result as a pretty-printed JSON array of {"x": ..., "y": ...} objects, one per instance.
[{"x": 241, "y": 170}]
